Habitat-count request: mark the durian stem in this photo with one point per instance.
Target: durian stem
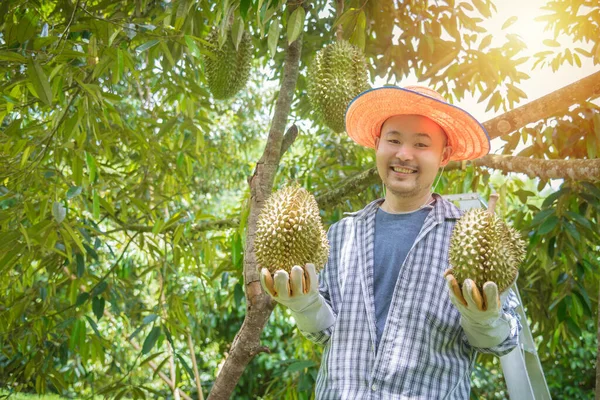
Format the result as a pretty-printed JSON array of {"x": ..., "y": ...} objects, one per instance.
[{"x": 492, "y": 202}]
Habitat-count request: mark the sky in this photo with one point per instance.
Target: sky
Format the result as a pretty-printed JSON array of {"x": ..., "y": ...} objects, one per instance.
[{"x": 543, "y": 81}]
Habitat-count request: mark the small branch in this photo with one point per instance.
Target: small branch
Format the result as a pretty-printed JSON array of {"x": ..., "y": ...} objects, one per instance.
[
  {"x": 66, "y": 31},
  {"x": 195, "y": 366},
  {"x": 289, "y": 138}
]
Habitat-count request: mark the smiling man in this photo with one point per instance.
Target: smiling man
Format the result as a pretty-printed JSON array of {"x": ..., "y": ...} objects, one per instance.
[{"x": 383, "y": 305}]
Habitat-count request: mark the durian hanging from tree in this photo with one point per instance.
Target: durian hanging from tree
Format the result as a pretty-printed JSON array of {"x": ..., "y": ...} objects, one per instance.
[
  {"x": 337, "y": 74},
  {"x": 289, "y": 231},
  {"x": 228, "y": 69},
  {"x": 484, "y": 248}
]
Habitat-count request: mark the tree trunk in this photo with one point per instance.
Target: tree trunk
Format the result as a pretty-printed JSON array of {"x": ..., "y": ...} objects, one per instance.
[{"x": 259, "y": 305}]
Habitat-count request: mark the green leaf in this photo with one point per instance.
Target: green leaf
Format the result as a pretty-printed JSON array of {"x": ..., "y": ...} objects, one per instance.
[
  {"x": 150, "y": 358},
  {"x": 548, "y": 201},
  {"x": 300, "y": 366},
  {"x": 482, "y": 8},
  {"x": 151, "y": 340},
  {"x": 94, "y": 326},
  {"x": 59, "y": 212},
  {"x": 548, "y": 225},
  {"x": 99, "y": 289},
  {"x": 579, "y": 219},
  {"x": 77, "y": 335},
  {"x": 39, "y": 81},
  {"x": 573, "y": 327},
  {"x": 509, "y": 22},
  {"x": 238, "y": 294},
  {"x": 149, "y": 319},
  {"x": 358, "y": 35},
  {"x": 98, "y": 307},
  {"x": 273, "y": 37},
  {"x": 7, "y": 55},
  {"x": 96, "y": 204},
  {"x": 147, "y": 45},
  {"x": 186, "y": 367},
  {"x": 80, "y": 264},
  {"x": 91, "y": 164},
  {"x": 82, "y": 298},
  {"x": 485, "y": 42},
  {"x": 237, "y": 32},
  {"x": 192, "y": 47},
  {"x": 551, "y": 43},
  {"x": 73, "y": 192},
  {"x": 295, "y": 24},
  {"x": 592, "y": 189}
]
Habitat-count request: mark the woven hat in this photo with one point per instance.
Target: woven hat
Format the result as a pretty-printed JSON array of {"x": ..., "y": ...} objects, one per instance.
[{"x": 367, "y": 112}]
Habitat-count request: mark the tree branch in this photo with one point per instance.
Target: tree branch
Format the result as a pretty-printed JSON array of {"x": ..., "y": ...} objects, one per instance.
[
  {"x": 195, "y": 366},
  {"x": 578, "y": 170},
  {"x": 545, "y": 107}
]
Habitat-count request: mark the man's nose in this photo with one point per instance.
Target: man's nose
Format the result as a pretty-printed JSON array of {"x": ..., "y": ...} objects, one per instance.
[{"x": 404, "y": 153}]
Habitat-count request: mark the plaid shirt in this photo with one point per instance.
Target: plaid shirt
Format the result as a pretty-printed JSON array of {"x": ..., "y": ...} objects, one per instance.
[{"x": 423, "y": 353}]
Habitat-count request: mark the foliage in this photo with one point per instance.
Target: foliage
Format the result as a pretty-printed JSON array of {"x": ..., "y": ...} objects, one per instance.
[{"x": 114, "y": 157}]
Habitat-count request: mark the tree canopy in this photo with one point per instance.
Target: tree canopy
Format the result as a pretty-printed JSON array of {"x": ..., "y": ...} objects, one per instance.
[{"x": 129, "y": 194}]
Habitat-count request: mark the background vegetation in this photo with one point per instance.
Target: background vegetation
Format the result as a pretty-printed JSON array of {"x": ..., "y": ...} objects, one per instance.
[{"x": 125, "y": 202}]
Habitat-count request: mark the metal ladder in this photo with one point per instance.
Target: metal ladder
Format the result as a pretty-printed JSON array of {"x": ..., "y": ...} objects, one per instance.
[{"x": 521, "y": 367}]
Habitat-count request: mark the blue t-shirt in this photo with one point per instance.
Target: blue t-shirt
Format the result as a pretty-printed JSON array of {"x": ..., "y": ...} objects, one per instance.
[{"x": 395, "y": 235}]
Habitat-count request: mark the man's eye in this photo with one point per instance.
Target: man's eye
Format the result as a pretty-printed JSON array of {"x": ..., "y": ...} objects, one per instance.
[
  {"x": 421, "y": 145},
  {"x": 393, "y": 141}
]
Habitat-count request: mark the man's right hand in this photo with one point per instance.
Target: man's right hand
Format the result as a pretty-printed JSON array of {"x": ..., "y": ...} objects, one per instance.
[
  {"x": 300, "y": 293},
  {"x": 297, "y": 290}
]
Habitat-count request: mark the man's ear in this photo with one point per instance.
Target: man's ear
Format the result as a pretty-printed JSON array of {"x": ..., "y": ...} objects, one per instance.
[
  {"x": 446, "y": 153},
  {"x": 376, "y": 142}
]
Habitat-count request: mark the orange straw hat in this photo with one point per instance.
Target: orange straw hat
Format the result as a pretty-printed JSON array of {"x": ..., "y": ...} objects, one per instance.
[{"x": 367, "y": 112}]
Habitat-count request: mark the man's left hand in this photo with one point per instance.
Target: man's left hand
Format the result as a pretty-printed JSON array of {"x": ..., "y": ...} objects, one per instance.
[{"x": 481, "y": 316}]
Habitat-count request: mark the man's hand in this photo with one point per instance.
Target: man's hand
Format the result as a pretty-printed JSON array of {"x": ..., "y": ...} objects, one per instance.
[
  {"x": 296, "y": 291},
  {"x": 300, "y": 293},
  {"x": 481, "y": 316}
]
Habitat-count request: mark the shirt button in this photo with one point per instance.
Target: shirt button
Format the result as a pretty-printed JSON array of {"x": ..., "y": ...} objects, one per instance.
[{"x": 374, "y": 387}]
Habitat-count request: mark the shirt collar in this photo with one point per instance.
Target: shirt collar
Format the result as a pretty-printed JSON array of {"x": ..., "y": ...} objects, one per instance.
[{"x": 442, "y": 209}]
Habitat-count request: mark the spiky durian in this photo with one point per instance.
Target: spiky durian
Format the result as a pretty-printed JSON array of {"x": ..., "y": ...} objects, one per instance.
[
  {"x": 484, "y": 248},
  {"x": 337, "y": 75},
  {"x": 289, "y": 231},
  {"x": 228, "y": 71}
]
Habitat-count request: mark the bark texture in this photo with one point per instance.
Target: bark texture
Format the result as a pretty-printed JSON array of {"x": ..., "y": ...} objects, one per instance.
[
  {"x": 578, "y": 170},
  {"x": 258, "y": 304}
]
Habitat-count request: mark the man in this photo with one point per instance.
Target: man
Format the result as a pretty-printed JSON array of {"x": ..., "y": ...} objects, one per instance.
[{"x": 391, "y": 328}]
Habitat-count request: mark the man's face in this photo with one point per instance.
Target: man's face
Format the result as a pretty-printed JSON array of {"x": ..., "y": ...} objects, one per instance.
[{"x": 409, "y": 153}]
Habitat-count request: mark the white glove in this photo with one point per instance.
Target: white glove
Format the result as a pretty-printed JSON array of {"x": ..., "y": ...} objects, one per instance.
[
  {"x": 300, "y": 293},
  {"x": 482, "y": 319}
]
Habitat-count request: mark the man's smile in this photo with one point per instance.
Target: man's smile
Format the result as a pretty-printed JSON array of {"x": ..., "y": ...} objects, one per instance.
[{"x": 403, "y": 170}]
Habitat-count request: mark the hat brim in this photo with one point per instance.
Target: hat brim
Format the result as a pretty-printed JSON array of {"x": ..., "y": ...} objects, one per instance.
[{"x": 367, "y": 112}]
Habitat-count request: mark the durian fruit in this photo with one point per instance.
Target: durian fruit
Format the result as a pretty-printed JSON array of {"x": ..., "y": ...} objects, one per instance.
[
  {"x": 289, "y": 231},
  {"x": 229, "y": 70},
  {"x": 337, "y": 75},
  {"x": 484, "y": 248}
]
